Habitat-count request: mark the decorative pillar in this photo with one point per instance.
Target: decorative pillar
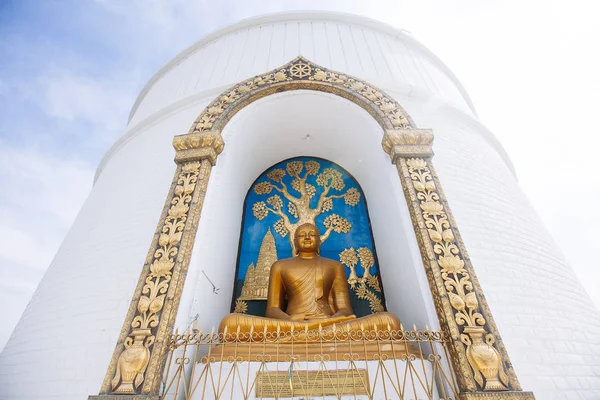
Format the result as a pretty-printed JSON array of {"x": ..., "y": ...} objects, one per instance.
[
  {"x": 137, "y": 364},
  {"x": 481, "y": 364}
]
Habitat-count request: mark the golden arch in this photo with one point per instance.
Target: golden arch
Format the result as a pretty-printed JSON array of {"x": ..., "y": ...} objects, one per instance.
[
  {"x": 297, "y": 75},
  {"x": 142, "y": 349}
]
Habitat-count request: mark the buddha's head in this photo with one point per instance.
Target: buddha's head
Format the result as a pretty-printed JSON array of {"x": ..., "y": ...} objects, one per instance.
[{"x": 307, "y": 238}]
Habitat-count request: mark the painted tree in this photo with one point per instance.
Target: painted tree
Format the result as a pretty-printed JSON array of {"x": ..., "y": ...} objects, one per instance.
[{"x": 298, "y": 211}]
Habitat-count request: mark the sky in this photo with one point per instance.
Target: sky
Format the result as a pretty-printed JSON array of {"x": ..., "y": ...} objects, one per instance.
[{"x": 70, "y": 71}]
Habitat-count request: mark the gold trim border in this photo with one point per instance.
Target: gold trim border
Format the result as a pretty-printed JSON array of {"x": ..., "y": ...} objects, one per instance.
[
  {"x": 459, "y": 300},
  {"x": 149, "y": 375},
  {"x": 497, "y": 396}
]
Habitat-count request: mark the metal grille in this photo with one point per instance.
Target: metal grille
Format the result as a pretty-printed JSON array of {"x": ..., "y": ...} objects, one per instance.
[{"x": 319, "y": 364}]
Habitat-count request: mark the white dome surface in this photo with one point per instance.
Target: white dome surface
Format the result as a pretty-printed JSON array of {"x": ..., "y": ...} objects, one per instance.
[{"x": 65, "y": 339}]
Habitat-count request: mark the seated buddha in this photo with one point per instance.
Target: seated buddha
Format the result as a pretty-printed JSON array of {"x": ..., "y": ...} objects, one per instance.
[{"x": 316, "y": 291}]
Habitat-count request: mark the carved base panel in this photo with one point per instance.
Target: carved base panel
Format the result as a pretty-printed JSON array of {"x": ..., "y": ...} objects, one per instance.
[
  {"x": 312, "y": 352},
  {"x": 497, "y": 396},
  {"x": 123, "y": 397}
]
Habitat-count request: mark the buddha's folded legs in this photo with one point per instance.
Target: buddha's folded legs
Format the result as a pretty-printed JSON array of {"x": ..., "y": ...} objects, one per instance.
[
  {"x": 238, "y": 326},
  {"x": 382, "y": 321}
]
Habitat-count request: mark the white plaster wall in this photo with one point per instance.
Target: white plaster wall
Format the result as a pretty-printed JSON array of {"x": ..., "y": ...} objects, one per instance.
[{"x": 62, "y": 344}]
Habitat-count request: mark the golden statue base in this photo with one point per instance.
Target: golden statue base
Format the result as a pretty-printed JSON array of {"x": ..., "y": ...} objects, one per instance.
[{"x": 313, "y": 351}]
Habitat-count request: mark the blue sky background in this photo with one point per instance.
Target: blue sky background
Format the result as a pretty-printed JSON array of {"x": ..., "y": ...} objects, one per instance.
[{"x": 70, "y": 71}]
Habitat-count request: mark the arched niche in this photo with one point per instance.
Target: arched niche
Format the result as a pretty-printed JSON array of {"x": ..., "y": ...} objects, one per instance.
[
  {"x": 348, "y": 134},
  {"x": 287, "y": 125}
]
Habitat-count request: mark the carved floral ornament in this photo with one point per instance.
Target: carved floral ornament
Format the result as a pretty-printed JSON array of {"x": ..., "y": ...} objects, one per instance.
[
  {"x": 198, "y": 146},
  {"x": 484, "y": 359},
  {"x": 133, "y": 361}
]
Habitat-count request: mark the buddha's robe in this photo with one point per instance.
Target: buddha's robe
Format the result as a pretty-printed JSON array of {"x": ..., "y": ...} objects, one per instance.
[{"x": 316, "y": 290}]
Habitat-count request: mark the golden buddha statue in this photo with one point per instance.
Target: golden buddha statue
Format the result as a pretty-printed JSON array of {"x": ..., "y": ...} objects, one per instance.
[{"x": 317, "y": 294}]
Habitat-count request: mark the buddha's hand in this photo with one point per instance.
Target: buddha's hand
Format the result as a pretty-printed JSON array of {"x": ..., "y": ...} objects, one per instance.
[
  {"x": 342, "y": 318},
  {"x": 298, "y": 317}
]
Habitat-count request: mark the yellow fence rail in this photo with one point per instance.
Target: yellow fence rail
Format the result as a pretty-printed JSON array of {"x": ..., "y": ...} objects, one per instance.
[{"x": 319, "y": 364}]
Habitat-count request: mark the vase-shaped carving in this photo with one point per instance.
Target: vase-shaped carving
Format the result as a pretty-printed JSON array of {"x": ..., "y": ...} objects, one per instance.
[
  {"x": 484, "y": 359},
  {"x": 132, "y": 363}
]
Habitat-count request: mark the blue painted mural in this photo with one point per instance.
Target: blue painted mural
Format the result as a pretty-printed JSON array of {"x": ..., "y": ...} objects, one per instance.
[{"x": 290, "y": 193}]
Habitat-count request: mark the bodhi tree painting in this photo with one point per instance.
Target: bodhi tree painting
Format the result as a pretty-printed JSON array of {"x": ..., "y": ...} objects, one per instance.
[{"x": 287, "y": 195}]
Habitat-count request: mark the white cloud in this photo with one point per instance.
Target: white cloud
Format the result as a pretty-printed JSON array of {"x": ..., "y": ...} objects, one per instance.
[{"x": 101, "y": 103}]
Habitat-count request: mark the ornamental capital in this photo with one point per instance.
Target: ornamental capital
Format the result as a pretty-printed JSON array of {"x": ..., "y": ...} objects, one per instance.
[
  {"x": 198, "y": 146},
  {"x": 407, "y": 143}
]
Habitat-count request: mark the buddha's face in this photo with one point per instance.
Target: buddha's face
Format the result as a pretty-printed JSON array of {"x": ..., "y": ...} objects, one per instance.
[{"x": 308, "y": 238}]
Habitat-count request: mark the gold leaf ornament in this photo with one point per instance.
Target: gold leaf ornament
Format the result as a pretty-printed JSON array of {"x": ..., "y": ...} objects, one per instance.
[
  {"x": 363, "y": 293},
  {"x": 178, "y": 210},
  {"x": 280, "y": 76},
  {"x": 241, "y": 307},
  {"x": 348, "y": 257},
  {"x": 294, "y": 168},
  {"x": 216, "y": 109},
  {"x": 432, "y": 207},
  {"x": 320, "y": 75},
  {"x": 327, "y": 205},
  {"x": 312, "y": 167},
  {"x": 435, "y": 235},
  {"x": 157, "y": 303},
  {"x": 387, "y": 106},
  {"x": 419, "y": 186},
  {"x": 456, "y": 301},
  {"x": 448, "y": 236},
  {"x": 366, "y": 260},
  {"x": 280, "y": 228},
  {"x": 276, "y": 175},
  {"x": 471, "y": 301},
  {"x": 175, "y": 238},
  {"x": 416, "y": 163},
  {"x": 292, "y": 209},
  {"x": 275, "y": 202},
  {"x": 356, "y": 86},
  {"x": 263, "y": 188},
  {"x": 352, "y": 197},
  {"x": 451, "y": 264},
  {"x": 143, "y": 304},
  {"x": 259, "y": 210},
  {"x": 190, "y": 167},
  {"x": 161, "y": 267},
  {"x": 337, "y": 223},
  {"x": 398, "y": 119},
  {"x": 331, "y": 177},
  {"x": 163, "y": 240}
]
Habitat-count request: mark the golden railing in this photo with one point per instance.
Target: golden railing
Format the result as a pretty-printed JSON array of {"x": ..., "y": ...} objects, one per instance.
[{"x": 326, "y": 363}]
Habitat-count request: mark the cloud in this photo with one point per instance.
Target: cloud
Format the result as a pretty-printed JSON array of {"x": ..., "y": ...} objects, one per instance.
[{"x": 102, "y": 104}]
